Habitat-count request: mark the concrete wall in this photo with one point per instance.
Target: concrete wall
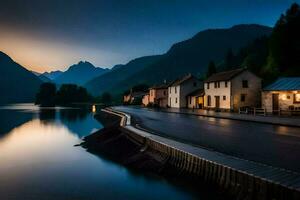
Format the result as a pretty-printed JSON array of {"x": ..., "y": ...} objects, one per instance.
[
  {"x": 235, "y": 183},
  {"x": 286, "y": 99},
  {"x": 222, "y": 91},
  {"x": 253, "y": 92}
]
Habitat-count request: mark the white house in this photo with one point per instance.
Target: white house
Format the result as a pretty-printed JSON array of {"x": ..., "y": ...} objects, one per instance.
[
  {"x": 180, "y": 88},
  {"x": 231, "y": 90},
  {"x": 282, "y": 95}
]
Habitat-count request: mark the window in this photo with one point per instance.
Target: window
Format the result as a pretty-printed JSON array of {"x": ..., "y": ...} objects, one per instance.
[
  {"x": 226, "y": 84},
  {"x": 190, "y": 100},
  {"x": 297, "y": 98},
  {"x": 164, "y": 93},
  {"x": 208, "y": 100},
  {"x": 195, "y": 84},
  {"x": 175, "y": 90},
  {"x": 243, "y": 97},
  {"x": 224, "y": 98},
  {"x": 170, "y": 101},
  {"x": 245, "y": 83},
  {"x": 207, "y": 84},
  {"x": 216, "y": 85},
  {"x": 170, "y": 90},
  {"x": 176, "y": 100}
]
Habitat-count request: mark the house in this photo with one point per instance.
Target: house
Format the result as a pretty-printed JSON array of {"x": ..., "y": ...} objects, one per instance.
[
  {"x": 159, "y": 95},
  {"x": 134, "y": 97},
  {"x": 196, "y": 99},
  {"x": 145, "y": 100},
  {"x": 231, "y": 90},
  {"x": 283, "y": 94},
  {"x": 180, "y": 88}
]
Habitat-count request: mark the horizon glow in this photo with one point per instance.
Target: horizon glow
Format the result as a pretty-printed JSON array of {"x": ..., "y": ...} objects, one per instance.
[{"x": 52, "y": 35}]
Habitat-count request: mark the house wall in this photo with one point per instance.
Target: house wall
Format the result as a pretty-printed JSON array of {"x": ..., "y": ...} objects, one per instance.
[
  {"x": 222, "y": 91},
  {"x": 253, "y": 92},
  {"x": 172, "y": 96},
  {"x": 186, "y": 88},
  {"x": 146, "y": 100},
  {"x": 127, "y": 98},
  {"x": 152, "y": 95},
  {"x": 286, "y": 99},
  {"x": 159, "y": 97}
]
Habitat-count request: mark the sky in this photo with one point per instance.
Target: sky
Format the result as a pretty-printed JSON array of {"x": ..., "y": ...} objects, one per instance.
[{"x": 54, "y": 34}]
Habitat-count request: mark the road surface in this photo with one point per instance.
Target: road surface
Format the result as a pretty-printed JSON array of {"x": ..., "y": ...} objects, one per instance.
[{"x": 274, "y": 145}]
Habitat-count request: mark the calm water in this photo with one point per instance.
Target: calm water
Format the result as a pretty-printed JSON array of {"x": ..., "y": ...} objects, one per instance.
[{"x": 38, "y": 160}]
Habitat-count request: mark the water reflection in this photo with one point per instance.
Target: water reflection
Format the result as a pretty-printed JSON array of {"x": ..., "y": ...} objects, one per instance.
[{"x": 39, "y": 160}]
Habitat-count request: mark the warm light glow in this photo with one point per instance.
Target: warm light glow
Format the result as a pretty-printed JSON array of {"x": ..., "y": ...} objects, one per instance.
[
  {"x": 94, "y": 109},
  {"x": 283, "y": 97}
]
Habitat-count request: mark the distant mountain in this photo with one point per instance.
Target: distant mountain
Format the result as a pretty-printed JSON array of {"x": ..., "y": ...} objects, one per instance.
[
  {"x": 119, "y": 73},
  {"x": 35, "y": 73},
  {"x": 52, "y": 75},
  {"x": 17, "y": 84},
  {"x": 189, "y": 56},
  {"x": 44, "y": 78},
  {"x": 80, "y": 73}
]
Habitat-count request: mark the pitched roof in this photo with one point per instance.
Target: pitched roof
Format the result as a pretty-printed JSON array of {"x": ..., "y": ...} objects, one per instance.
[
  {"x": 197, "y": 93},
  {"x": 225, "y": 76},
  {"x": 292, "y": 83},
  {"x": 162, "y": 86},
  {"x": 182, "y": 80}
]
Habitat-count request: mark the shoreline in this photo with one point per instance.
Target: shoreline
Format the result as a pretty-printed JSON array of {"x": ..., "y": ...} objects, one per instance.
[
  {"x": 114, "y": 144},
  {"x": 233, "y": 177}
]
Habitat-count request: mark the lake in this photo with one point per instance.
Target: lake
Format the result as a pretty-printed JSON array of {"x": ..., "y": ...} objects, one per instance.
[{"x": 38, "y": 160}]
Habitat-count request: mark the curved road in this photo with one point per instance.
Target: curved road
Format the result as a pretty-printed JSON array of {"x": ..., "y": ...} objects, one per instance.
[{"x": 269, "y": 144}]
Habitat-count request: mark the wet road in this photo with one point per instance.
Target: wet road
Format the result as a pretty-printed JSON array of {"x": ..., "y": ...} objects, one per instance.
[{"x": 274, "y": 145}]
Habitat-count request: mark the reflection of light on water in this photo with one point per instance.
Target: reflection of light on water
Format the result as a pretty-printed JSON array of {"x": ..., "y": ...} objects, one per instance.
[
  {"x": 35, "y": 143},
  {"x": 94, "y": 109}
]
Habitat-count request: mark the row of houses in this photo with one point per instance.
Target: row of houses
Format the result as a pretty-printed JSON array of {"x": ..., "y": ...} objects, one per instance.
[{"x": 229, "y": 90}]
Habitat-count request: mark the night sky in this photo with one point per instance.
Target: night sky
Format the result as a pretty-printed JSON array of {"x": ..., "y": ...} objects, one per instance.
[{"x": 45, "y": 35}]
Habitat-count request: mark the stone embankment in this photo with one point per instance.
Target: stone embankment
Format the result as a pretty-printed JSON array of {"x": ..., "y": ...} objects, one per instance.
[{"x": 237, "y": 178}]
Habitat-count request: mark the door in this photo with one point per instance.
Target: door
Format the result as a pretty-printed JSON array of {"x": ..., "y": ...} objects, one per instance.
[
  {"x": 275, "y": 102},
  {"x": 217, "y": 101}
]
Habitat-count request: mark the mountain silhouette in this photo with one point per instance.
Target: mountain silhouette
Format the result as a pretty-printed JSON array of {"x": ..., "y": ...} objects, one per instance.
[
  {"x": 189, "y": 56},
  {"x": 80, "y": 73},
  {"x": 118, "y": 73},
  {"x": 17, "y": 84},
  {"x": 52, "y": 75}
]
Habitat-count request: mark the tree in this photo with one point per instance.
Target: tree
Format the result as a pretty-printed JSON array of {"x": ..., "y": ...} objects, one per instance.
[
  {"x": 106, "y": 98},
  {"x": 284, "y": 44},
  {"x": 229, "y": 59},
  {"x": 211, "y": 69},
  {"x": 71, "y": 93},
  {"x": 46, "y": 95}
]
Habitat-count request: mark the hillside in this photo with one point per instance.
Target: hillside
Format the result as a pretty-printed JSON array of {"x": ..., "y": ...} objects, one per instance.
[
  {"x": 192, "y": 55},
  {"x": 119, "y": 73},
  {"x": 80, "y": 73},
  {"x": 17, "y": 84}
]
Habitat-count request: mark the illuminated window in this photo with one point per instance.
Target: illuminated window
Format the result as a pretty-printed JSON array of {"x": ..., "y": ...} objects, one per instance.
[{"x": 297, "y": 98}]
